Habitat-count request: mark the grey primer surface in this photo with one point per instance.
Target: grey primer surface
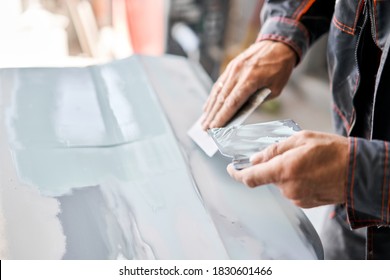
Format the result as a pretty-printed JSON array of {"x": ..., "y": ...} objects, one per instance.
[{"x": 96, "y": 164}]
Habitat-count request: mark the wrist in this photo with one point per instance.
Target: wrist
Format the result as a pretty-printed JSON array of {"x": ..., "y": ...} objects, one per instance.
[{"x": 282, "y": 50}]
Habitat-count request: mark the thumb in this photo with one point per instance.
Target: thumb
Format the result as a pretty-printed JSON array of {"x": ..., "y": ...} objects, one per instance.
[{"x": 259, "y": 174}]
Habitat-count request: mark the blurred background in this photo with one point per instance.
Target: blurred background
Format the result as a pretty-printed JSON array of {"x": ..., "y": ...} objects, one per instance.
[{"x": 58, "y": 33}]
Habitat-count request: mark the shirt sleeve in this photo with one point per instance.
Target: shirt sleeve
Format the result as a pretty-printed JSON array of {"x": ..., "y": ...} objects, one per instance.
[
  {"x": 296, "y": 23},
  {"x": 367, "y": 185}
]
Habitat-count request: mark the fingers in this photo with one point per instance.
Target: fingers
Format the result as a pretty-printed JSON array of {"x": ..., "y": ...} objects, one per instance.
[
  {"x": 225, "y": 77},
  {"x": 217, "y": 87},
  {"x": 221, "y": 90},
  {"x": 231, "y": 105},
  {"x": 218, "y": 103},
  {"x": 272, "y": 165},
  {"x": 275, "y": 150},
  {"x": 266, "y": 154},
  {"x": 229, "y": 93},
  {"x": 259, "y": 174},
  {"x": 227, "y": 101},
  {"x": 308, "y": 168}
]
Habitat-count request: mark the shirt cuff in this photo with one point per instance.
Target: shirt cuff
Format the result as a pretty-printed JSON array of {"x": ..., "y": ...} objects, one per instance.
[
  {"x": 367, "y": 183},
  {"x": 288, "y": 31}
]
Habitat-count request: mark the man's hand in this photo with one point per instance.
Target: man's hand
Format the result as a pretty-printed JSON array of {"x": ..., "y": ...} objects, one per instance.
[
  {"x": 309, "y": 168},
  {"x": 265, "y": 64}
]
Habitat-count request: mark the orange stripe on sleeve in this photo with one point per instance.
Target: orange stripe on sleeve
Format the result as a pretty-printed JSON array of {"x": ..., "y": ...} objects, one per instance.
[{"x": 305, "y": 9}]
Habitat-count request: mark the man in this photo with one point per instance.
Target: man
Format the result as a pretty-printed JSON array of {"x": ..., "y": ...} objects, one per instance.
[{"x": 350, "y": 170}]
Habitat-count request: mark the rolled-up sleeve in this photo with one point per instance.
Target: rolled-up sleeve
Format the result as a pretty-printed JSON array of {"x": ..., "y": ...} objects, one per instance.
[
  {"x": 367, "y": 185},
  {"x": 296, "y": 23}
]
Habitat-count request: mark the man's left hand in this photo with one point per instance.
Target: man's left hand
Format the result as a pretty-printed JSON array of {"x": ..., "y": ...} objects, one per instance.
[{"x": 309, "y": 168}]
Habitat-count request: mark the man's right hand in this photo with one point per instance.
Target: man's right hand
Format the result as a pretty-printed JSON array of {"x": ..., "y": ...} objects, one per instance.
[{"x": 264, "y": 64}]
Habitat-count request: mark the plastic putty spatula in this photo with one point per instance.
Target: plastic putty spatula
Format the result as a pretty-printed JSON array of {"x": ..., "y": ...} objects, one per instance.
[{"x": 204, "y": 140}]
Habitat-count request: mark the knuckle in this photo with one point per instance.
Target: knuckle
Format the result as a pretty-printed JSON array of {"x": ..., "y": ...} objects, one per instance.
[
  {"x": 240, "y": 63},
  {"x": 305, "y": 134},
  {"x": 251, "y": 84},
  {"x": 273, "y": 150},
  {"x": 299, "y": 203},
  {"x": 215, "y": 89},
  {"x": 233, "y": 174},
  {"x": 288, "y": 193},
  {"x": 291, "y": 193},
  {"x": 249, "y": 182},
  {"x": 270, "y": 152},
  {"x": 237, "y": 64},
  {"x": 288, "y": 172},
  {"x": 220, "y": 99},
  {"x": 290, "y": 169},
  {"x": 232, "y": 102}
]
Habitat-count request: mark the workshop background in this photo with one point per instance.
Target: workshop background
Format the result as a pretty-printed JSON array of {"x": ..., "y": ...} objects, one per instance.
[{"x": 210, "y": 32}]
